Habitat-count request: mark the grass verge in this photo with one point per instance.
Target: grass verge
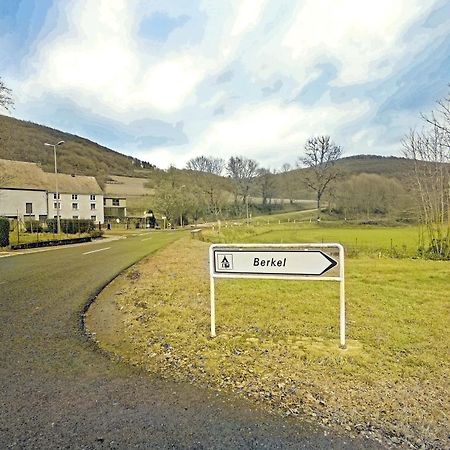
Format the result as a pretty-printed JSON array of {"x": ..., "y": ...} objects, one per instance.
[{"x": 277, "y": 340}]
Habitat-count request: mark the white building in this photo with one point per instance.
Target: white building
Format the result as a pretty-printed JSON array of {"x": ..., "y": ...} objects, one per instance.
[
  {"x": 80, "y": 197},
  {"x": 27, "y": 203},
  {"x": 26, "y": 191}
]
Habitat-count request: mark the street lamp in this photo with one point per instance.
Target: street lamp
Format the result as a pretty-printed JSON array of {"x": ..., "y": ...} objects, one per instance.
[
  {"x": 181, "y": 213},
  {"x": 56, "y": 184}
]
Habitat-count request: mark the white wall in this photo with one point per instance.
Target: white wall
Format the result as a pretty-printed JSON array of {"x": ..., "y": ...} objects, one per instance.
[
  {"x": 13, "y": 200},
  {"x": 83, "y": 203}
]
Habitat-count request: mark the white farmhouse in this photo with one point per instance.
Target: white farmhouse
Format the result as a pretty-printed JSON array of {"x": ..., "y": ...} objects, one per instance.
[
  {"x": 80, "y": 197},
  {"x": 27, "y": 192}
]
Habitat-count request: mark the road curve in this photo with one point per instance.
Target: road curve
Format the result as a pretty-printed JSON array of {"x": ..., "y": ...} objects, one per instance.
[{"x": 58, "y": 391}]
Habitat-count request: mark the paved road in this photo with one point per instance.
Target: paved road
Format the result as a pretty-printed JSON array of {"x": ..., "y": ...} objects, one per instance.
[{"x": 58, "y": 391}]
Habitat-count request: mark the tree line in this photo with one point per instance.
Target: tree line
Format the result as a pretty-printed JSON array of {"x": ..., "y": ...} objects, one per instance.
[
  {"x": 209, "y": 196},
  {"x": 210, "y": 187}
]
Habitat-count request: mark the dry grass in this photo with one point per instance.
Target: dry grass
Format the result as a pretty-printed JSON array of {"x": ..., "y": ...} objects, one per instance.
[{"x": 277, "y": 341}]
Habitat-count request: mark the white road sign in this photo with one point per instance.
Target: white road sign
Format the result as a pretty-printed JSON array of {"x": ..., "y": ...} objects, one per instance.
[
  {"x": 289, "y": 262},
  {"x": 278, "y": 261}
]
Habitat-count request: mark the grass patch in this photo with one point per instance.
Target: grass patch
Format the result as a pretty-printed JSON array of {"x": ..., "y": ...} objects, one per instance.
[
  {"x": 25, "y": 238},
  {"x": 277, "y": 341}
]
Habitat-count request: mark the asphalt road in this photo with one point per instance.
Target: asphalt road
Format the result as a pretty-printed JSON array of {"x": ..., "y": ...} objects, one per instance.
[{"x": 59, "y": 391}]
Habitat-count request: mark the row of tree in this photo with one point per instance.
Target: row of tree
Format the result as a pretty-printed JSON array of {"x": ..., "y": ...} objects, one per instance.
[
  {"x": 429, "y": 149},
  {"x": 320, "y": 157}
]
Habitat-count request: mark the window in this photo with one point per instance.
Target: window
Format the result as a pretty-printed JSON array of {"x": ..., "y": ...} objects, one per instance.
[
  {"x": 94, "y": 218},
  {"x": 74, "y": 205},
  {"x": 92, "y": 197},
  {"x": 56, "y": 196},
  {"x": 56, "y": 205},
  {"x": 74, "y": 217},
  {"x": 115, "y": 202},
  {"x": 74, "y": 196},
  {"x": 28, "y": 208},
  {"x": 92, "y": 205}
]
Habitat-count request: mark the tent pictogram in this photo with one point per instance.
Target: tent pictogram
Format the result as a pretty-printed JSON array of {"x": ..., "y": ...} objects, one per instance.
[{"x": 225, "y": 262}]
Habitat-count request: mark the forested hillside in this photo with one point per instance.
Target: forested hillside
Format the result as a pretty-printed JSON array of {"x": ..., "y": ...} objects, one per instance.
[
  {"x": 24, "y": 141},
  {"x": 366, "y": 182}
]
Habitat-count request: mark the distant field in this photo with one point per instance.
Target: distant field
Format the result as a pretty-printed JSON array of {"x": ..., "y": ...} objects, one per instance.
[
  {"x": 128, "y": 186},
  {"x": 392, "y": 241}
]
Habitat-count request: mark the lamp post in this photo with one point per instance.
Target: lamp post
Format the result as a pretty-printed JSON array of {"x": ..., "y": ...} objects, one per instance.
[
  {"x": 58, "y": 221},
  {"x": 182, "y": 204}
]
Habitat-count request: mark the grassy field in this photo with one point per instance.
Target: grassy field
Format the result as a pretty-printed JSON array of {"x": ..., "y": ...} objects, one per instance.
[
  {"x": 371, "y": 240},
  {"x": 277, "y": 341}
]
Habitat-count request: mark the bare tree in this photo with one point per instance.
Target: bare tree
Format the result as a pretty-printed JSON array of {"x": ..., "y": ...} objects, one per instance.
[
  {"x": 289, "y": 182},
  {"x": 210, "y": 166},
  {"x": 242, "y": 170},
  {"x": 176, "y": 198},
  {"x": 430, "y": 151},
  {"x": 207, "y": 164},
  {"x": 320, "y": 158},
  {"x": 6, "y": 100},
  {"x": 266, "y": 184}
]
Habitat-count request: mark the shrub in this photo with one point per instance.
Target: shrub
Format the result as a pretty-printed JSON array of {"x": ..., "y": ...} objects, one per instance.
[
  {"x": 33, "y": 226},
  {"x": 4, "y": 232},
  {"x": 71, "y": 226},
  {"x": 438, "y": 249},
  {"x": 96, "y": 233}
]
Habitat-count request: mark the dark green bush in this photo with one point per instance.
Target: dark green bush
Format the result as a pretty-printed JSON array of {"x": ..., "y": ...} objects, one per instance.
[
  {"x": 33, "y": 226},
  {"x": 71, "y": 226},
  {"x": 4, "y": 232}
]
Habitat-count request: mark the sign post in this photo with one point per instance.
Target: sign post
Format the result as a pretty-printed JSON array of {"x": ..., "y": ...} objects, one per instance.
[{"x": 282, "y": 262}]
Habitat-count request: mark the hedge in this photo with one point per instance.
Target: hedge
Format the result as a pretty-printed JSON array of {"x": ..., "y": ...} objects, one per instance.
[
  {"x": 33, "y": 226},
  {"x": 4, "y": 232},
  {"x": 71, "y": 226}
]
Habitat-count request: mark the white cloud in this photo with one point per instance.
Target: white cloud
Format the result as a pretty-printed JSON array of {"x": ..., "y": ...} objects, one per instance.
[
  {"x": 266, "y": 132},
  {"x": 356, "y": 34},
  {"x": 96, "y": 58},
  {"x": 247, "y": 16},
  {"x": 168, "y": 84}
]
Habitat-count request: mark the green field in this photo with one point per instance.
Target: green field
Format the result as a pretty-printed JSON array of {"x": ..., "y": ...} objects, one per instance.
[
  {"x": 379, "y": 241},
  {"x": 277, "y": 341}
]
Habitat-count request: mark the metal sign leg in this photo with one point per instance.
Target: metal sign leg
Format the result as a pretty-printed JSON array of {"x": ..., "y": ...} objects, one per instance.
[
  {"x": 213, "y": 307},
  {"x": 342, "y": 314}
]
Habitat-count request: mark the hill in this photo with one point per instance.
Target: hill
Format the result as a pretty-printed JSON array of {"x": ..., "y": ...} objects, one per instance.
[
  {"x": 24, "y": 141},
  {"x": 137, "y": 180},
  {"x": 290, "y": 185},
  {"x": 390, "y": 166}
]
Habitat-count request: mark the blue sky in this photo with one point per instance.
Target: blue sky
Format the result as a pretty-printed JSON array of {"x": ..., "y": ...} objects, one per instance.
[{"x": 169, "y": 80}]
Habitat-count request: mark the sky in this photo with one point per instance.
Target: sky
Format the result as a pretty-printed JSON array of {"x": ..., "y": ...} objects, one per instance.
[{"x": 166, "y": 81}]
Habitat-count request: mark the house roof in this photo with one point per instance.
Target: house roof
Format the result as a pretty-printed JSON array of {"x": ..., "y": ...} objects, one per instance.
[{"x": 25, "y": 175}]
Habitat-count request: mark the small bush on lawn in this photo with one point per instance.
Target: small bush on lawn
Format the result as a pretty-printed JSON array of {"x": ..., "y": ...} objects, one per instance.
[
  {"x": 96, "y": 233},
  {"x": 4, "y": 232}
]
